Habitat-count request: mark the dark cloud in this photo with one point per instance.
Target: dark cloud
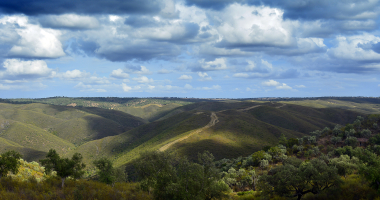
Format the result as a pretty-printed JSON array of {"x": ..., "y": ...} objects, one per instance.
[
  {"x": 38, "y": 7},
  {"x": 212, "y": 4},
  {"x": 289, "y": 73},
  {"x": 68, "y": 21},
  {"x": 303, "y": 9},
  {"x": 140, "y": 21},
  {"x": 141, "y": 51}
]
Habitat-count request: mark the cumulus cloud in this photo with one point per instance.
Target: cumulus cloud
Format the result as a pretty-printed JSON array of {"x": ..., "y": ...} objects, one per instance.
[
  {"x": 137, "y": 69},
  {"x": 253, "y": 26},
  {"x": 125, "y": 87},
  {"x": 74, "y": 74},
  {"x": 143, "y": 79},
  {"x": 185, "y": 77},
  {"x": 214, "y": 87},
  {"x": 189, "y": 87},
  {"x": 270, "y": 83},
  {"x": 351, "y": 48},
  {"x": 69, "y": 21},
  {"x": 34, "y": 41},
  {"x": 277, "y": 85},
  {"x": 18, "y": 69},
  {"x": 119, "y": 74},
  {"x": 164, "y": 71},
  {"x": 204, "y": 76}
]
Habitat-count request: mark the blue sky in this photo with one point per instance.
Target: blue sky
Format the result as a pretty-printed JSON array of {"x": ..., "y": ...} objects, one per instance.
[{"x": 189, "y": 48}]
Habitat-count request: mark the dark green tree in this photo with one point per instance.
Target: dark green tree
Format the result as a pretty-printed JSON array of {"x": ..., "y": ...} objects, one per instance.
[
  {"x": 63, "y": 166},
  {"x": 106, "y": 171},
  {"x": 9, "y": 161},
  {"x": 296, "y": 178},
  {"x": 174, "y": 177}
]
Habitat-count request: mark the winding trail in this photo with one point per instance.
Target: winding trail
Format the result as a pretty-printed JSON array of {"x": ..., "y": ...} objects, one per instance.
[{"x": 213, "y": 121}]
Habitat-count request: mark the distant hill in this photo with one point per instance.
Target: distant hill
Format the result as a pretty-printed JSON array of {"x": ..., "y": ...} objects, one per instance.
[
  {"x": 122, "y": 128},
  {"x": 40, "y": 127}
]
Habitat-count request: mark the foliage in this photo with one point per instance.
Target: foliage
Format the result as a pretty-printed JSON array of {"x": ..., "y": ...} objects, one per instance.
[
  {"x": 63, "y": 166},
  {"x": 174, "y": 177},
  {"x": 9, "y": 161},
  {"x": 50, "y": 189},
  {"x": 296, "y": 179},
  {"x": 106, "y": 170}
]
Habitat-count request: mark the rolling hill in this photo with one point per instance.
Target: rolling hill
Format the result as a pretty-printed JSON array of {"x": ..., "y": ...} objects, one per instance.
[{"x": 92, "y": 127}]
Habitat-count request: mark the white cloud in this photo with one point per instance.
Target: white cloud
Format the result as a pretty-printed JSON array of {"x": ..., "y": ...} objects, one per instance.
[
  {"x": 300, "y": 86},
  {"x": 241, "y": 75},
  {"x": 34, "y": 41},
  {"x": 204, "y": 76},
  {"x": 189, "y": 87},
  {"x": 217, "y": 64},
  {"x": 185, "y": 77},
  {"x": 214, "y": 87},
  {"x": 119, "y": 73},
  {"x": 74, "y": 74},
  {"x": 270, "y": 83},
  {"x": 151, "y": 87},
  {"x": 250, "y": 25},
  {"x": 70, "y": 21},
  {"x": 279, "y": 86},
  {"x": 138, "y": 70},
  {"x": 18, "y": 69},
  {"x": 164, "y": 71},
  {"x": 283, "y": 87},
  {"x": 143, "y": 79},
  {"x": 125, "y": 87},
  {"x": 350, "y": 48}
]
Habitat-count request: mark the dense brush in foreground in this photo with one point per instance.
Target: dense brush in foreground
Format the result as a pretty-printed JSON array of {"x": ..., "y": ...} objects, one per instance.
[{"x": 50, "y": 188}]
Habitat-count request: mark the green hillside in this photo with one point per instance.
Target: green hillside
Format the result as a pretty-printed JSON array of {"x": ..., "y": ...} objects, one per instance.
[{"x": 40, "y": 127}]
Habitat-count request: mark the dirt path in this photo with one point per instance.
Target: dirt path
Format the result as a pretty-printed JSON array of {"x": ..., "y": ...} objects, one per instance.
[
  {"x": 249, "y": 108},
  {"x": 213, "y": 121},
  {"x": 281, "y": 106}
]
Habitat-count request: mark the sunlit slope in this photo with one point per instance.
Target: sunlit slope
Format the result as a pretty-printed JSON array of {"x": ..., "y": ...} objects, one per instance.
[
  {"x": 248, "y": 128},
  {"x": 362, "y": 105},
  {"x": 27, "y": 153},
  {"x": 36, "y": 138},
  {"x": 213, "y": 106},
  {"x": 128, "y": 145},
  {"x": 145, "y": 108},
  {"x": 302, "y": 119}
]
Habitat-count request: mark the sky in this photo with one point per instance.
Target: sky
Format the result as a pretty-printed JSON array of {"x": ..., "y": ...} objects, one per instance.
[{"x": 189, "y": 48}]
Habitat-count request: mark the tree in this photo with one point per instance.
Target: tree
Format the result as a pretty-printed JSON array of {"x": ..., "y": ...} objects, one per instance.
[
  {"x": 344, "y": 164},
  {"x": 106, "y": 170},
  {"x": 283, "y": 140},
  {"x": 296, "y": 178},
  {"x": 336, "y": 140},
  {"x": 9, "y": 161},
  {"x": 173, "y": 177},
  {"x": 63, "y": 166},
  {"x": 365, "y": 133}
]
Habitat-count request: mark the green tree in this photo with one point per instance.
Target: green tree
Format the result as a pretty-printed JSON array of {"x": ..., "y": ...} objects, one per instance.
[
  {"x": 63, "y": 166},
  {"x": 296, "y": 178},
  {"x": 174, "y": 177},
  {"x": 9, "y": 161},
  {"x": 335, "y": 140},
  {"x": 283, "y": 140},
  {"x": 345, "y": 164},
  {"x": 106, "y": 171}
]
